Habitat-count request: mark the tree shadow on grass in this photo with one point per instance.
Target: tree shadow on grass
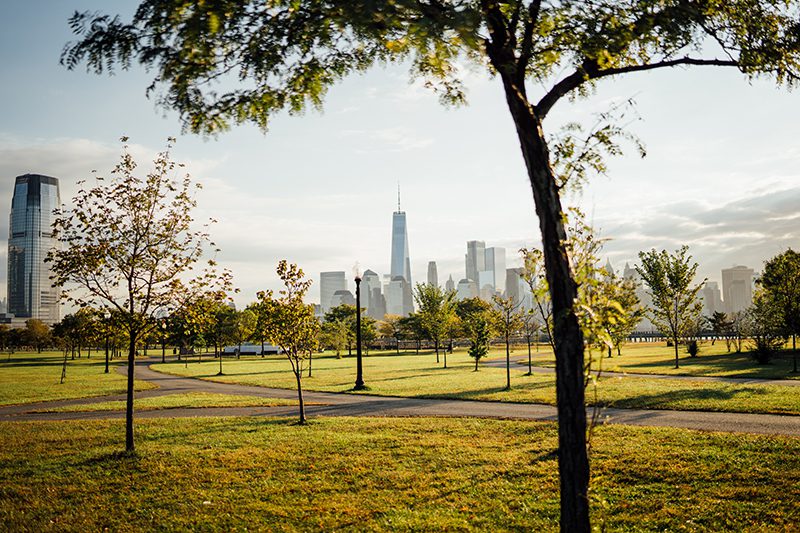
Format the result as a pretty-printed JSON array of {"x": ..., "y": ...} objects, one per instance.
[{"x": 667, "y": 400}]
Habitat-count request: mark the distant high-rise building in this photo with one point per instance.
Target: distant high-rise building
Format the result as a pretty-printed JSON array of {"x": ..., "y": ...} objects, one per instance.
[
  {"x": 329, "y": 283},
  {"x": 399, "y": 299},
  {"x": 466, "y": 289},
  {"x": 475, "y": 259},
  {"x": 609, "y": 268},
  {"x": 342, "y": 297},
  {"x": 486, "y": 285},
  {"x": 369, "y": 281},
  {"x": 495, "y": 262},
  {"x": 433, "y": 275},
  {"x": 401, "y": 262},
  {"x": 737, "y": 288},
  {"x": 450, "y": 285},
  {"x": 30, "y": 292},
  {"x": 517, "y": 289},
  {"x": 712, "y": 301}
]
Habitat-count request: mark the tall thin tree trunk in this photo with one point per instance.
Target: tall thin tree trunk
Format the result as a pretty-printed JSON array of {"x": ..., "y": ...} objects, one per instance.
[
  {"x": 129, "y": 447},
  {"x": 573, "y": 461},
  {"x": 530, "y": 361},
  {"x": 300, "y": 396},
  {"x": 106, "y": 355},
  {"x": 64, "y": 368},
  {"x": 508, "y": 366},
  {"x": 675, "y": 343},
  {"x": 309, "y": 363}
]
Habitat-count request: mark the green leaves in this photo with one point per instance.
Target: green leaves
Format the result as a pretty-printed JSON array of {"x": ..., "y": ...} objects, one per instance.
[{"x": 670, "y": 279}]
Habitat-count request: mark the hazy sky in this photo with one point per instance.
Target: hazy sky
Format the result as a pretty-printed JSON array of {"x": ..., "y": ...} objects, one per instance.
[{"x": 722, "y": 172}]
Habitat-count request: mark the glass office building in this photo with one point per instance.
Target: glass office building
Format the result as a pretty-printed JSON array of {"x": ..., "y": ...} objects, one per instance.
[{"x": 30, "y": 291}]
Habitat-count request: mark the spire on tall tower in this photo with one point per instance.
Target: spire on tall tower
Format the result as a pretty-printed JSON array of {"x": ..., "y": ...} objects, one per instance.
[{"x": 398, "y": 196}]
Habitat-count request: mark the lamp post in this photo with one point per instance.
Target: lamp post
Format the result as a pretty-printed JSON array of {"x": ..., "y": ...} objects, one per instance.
[
  {"x": 359, "y": 368},
  {"x": 163, "y": 339},
  {"x": 107, "y": 324}
]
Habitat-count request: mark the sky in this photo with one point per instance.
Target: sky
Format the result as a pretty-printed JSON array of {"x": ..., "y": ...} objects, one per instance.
[{"x": 722, "y": 171}]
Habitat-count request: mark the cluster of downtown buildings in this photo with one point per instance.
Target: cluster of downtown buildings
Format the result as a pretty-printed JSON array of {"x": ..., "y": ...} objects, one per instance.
[
  {"x": 30, "y": 293},
  {"x": 486, "y": 275}
]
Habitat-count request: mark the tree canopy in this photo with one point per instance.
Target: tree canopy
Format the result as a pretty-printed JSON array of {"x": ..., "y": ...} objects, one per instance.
[{"x": 670, "y": 280}]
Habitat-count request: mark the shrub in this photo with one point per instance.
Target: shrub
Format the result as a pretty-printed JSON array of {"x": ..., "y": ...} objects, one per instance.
[
  {"x": 764, "y": 348},
  {"x": 693, "y": 349}
]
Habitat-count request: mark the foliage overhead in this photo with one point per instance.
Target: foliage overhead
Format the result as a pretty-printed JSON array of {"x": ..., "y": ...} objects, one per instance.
[{"x": 225, "y": 62}]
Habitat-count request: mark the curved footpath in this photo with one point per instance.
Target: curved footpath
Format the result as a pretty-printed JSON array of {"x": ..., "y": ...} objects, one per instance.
[
  {"x": 338, "y": 404},
  {"x": 522, "y": 360}
]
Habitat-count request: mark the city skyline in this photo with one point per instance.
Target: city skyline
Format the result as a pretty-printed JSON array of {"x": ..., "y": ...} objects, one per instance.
[{"x": 725, "y": 183}]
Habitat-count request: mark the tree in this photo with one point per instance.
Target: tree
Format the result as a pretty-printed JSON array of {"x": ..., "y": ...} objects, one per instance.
[
  {"x": 335, "y": 335},
  {"x": 37, "y": 332},
  {"x": 411, "y": 327},
  {"x": 436, "y": 311},
  {"x": 260, "y": 331},
  {"x": 533, "y": 274},
  {"x": 287, "y": 55},
  {"x": 509, "y": 321},
  {"x": 478, "y": 321},
  {"x": 292, "y": 325},
  {"x": 127, "y": 243},
  {"x": 628, "y": 313},
  {"x": 244, "y": 324},
  {"x": 530, "y": 328},
  {"x": 780, "y": 282},
  {"x": 669, "y": 279},
  {"x": 720, "y": 325},
  {"x": 390, "y": 327},
  {"x": 346, "y": 314},
  {"x": 220, "y": 328},
  {"x": 765, "y": 325}
]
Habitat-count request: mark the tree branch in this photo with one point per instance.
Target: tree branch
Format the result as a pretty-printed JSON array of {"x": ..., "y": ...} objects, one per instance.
[{"x": 590, "y": 71}]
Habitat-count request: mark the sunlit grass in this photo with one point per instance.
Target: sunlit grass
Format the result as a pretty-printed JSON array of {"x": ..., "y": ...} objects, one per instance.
[
  {"x": 420, "y": 376},
  {"x": 658, "y": 358},
  {"x": 192, "y": 400},
  {"x": 31, "y": 377},
  {"x": 384, "y": 475}
]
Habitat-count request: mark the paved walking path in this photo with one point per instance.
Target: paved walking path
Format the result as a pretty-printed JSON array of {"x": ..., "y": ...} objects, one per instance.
[
  {"x": 522, "y": 360},
  {"x": 338, "y": 404}
]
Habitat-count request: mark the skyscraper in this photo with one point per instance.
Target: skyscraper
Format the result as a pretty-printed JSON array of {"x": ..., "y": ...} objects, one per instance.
[
  {"x": 712, "y": 301},
  {"x": 401, "y": 262},
  {"x": 433, "y": 275},
  {"x": 450, "y": 285},
  {"x": 495, "y": 262},
  {"x": 475, "y": 259},
  {"x": 30, "y": 291},
  {"x": 737, "y": 288},
  {"x": 329, "y": 283}
]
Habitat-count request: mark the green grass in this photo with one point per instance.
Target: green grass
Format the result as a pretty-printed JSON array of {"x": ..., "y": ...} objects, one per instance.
[
  {"x": 658, "y": 358},
  {"x": 384, "y": 475},
  {"x": 420, "y": 376},
  {"x": 192, "y": 400},
  {"x": 32, "y": 377}
]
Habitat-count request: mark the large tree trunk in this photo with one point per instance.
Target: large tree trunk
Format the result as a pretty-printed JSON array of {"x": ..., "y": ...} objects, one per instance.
[
  {"x": 129, "y": 403},
  {"x": 573, "y": 461}
]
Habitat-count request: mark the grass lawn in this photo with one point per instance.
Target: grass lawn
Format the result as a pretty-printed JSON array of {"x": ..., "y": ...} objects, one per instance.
[
  {"x": 658, "y": 358},
  {"x": 32, "y": 377},
  {"x": 420, "y": 376},
  {"x": 384, "y": 475},
  {"x": 172, "y": 401}
]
